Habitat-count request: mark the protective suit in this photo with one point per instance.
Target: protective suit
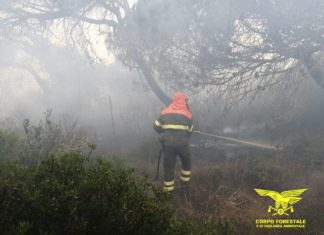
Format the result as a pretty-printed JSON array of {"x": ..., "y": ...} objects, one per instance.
[{"x": 175, "y": 127}]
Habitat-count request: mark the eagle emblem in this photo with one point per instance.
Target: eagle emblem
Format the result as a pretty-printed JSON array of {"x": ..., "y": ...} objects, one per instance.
[{"x": 283, "y": 201}]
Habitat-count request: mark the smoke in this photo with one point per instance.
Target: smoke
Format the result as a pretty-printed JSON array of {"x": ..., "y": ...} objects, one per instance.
[{"x": 184, "y": 44}]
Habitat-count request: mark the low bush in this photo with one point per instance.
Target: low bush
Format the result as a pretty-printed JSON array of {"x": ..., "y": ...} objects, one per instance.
[
  {"x": 48, "y": 137},
  {"x": 36, "y": 142},
  {"x": 10, "y": 145},
  {"x": 69, "y": 194}
]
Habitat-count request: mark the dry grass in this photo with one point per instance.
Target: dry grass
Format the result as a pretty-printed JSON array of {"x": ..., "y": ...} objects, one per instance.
[{"x": 224, "y": 188}]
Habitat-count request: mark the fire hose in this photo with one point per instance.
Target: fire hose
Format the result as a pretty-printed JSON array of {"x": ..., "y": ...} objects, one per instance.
[
  {"x": 235, "y": 140},
  {"x": 250, "y": 143}
]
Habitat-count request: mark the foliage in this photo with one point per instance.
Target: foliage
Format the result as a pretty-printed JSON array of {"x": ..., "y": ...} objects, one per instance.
[
  {"x": 233, "y": 50},
  {"x": 39, "y": 141},
  {"x": 69, "y": 194},
  {"x": 49, "y": 137},
  {"x": 228, "y": 49},
  {"x": 10, "y": 145}
]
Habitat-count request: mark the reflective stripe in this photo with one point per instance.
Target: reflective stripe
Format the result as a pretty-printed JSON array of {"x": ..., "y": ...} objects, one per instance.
[
  {"x": 169, "y": 183},
  {"x": 191, "y": 128},
  {"x": 175, "y": 127},
  {"x": 157, "y": 123},
  {"x": 169, "y": 188},
  {"x": 185, "y": 178},
  {"x": 185, "y": 173}
]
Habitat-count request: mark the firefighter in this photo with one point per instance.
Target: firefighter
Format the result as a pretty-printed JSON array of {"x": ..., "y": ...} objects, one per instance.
[{"x": 175, "y": 127}]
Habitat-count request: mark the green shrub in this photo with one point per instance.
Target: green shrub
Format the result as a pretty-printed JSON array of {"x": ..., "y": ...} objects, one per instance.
[
  {"x": 48, "y": 137},
  {"x": 10, "y": 145},
  {"x": 69, "y": 194}
]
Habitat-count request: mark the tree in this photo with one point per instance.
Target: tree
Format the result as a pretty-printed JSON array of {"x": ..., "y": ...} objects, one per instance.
[
  {"x": 78, "y": 20},
  {"x": 229, "y": 49},
  {"x": 232, "y": 49},
  {"x": 15, "y": 54}
]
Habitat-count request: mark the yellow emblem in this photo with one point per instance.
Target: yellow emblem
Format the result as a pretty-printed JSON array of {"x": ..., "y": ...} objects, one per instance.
[{"x": 283, "y": 201}]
